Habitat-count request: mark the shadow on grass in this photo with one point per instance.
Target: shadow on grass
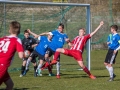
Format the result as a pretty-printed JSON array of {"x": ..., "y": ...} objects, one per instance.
[
  {"x": 116, "y": 79},
  {"x": 101, "y": 76},
  {"x": 74, "y": 75},
  {"x": 18, "y": 89},
  {"x": 69, "y": 64}
]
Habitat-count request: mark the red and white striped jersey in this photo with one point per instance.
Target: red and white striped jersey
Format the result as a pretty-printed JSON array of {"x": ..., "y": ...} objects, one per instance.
[
  {"x": 78, "y": 42},
  {"x": 8, "y": 46}
]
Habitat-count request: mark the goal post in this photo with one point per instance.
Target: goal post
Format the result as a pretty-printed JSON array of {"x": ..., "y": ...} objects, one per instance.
[{"x": 37, "y": 14}]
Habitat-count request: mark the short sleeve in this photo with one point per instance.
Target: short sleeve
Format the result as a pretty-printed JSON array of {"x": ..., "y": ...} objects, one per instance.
[
  {"x": 54, "y": 32},
  {"x": 39, "y": 38},
  {"x": 65, "y": 36},
  {"x": 87, "y": 36},
  {"x": 19, "y": 46}
]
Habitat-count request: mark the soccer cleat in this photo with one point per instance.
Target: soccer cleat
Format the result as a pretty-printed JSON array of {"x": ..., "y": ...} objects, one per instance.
[
  {"x": 21, "y": 75},
  {"x": 111, "y": 79},
  {"x": 58, "y": 76},
  {"x": 92, "y": 77},
  {"x": 51, "y": 74},
  {"x": 25, "y": 72},
  {"x": 53, "y": 62}
]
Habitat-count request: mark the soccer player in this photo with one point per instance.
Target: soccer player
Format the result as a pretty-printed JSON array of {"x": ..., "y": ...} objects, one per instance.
[
  {"x": 28, "y": 44},
  {"x": 8, "y": 46},
  {"x": 58, "y": 40},
  {"x": 40, "y": 50},
  {"x": 77, "y": 47},
  {"x": 112, "y": 51}
]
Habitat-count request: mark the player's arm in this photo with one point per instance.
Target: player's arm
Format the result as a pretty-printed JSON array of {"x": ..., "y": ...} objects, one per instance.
[
  {"x": 34, "y": 45},
  {"x": 35, "y": 35},
  {"x": 101, "y": 23},
  {"x": 68, "y": 41},
  {"x": 45, "y": 33},
  {"x": 19, "y": 48},
  {"x": 118, "y": 48},
  {"x": 20, "y": 54}
]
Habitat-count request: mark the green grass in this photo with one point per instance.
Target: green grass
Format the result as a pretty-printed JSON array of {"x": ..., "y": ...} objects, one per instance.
[{"x": 71, "y": 77}]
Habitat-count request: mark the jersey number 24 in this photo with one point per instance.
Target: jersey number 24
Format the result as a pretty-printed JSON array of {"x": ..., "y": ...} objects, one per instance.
[{"x": 4, "y": 46}]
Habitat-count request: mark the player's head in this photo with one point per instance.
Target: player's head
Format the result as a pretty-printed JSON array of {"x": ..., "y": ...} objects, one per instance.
[
  {"x": 61, "y": 27},
  {"x": 14, "y": 27},
  {"x": 81, "y": 32},
  {"x": 26, "y": 34},
  {"x": 50, "y": 36},
  {"x": 114, "y": 28}
]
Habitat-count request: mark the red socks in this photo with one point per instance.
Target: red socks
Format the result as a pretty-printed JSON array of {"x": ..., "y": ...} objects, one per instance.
[
  {"x": 87, "y": 71},
  {"x": 56, "y": 55}
]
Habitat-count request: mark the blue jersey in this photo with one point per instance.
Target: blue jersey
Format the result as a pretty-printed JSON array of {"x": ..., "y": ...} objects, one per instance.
[
  {"x": 43, "y": 45},
  {"x": 58, "y": 40},
  {"x": 115, "y": 42}
]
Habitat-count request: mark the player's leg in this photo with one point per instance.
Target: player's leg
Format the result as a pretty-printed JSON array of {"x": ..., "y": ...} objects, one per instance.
[
  {"x": 58, "y": 69},
  {"x": 28, "y": 62},
  {"x": 38, "y": 70},
  {"x": 30, "y": 58},
  {"x": 9, "y": 84},
  {"x": 109, "y": 60},
  {"x": 56, "y": 55},
  {"x": 47, "y": 60},
  {"x": 35, "y": 68},
  {"x": 48, "y": 54},
  {"x": 57, "y": 65},
  {"x": 27, "y": 65},
  {"x": 4, "y": 77},
  {"x": 23, "y": 67},
  {"x": 78, "y": 57},
  {"x": 85, "y": 69}
]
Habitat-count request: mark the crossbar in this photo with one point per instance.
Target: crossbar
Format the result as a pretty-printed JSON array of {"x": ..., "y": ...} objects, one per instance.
[{"x": 45, "y": 3}]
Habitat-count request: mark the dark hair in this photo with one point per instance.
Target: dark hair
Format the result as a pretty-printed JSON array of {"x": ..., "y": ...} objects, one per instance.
[
  {"x": 26, "y": 32},
  {"x": 115, "y": 27},
  {"x": 15, "y": 27},
  {"x": 62, "y": 25}
]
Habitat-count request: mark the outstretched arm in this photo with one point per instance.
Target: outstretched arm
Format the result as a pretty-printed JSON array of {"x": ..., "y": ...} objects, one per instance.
[
  {"x": 35, "y": 35},
  {"x": 101, "y": 23},
  {"x": 45, "y": 33}
]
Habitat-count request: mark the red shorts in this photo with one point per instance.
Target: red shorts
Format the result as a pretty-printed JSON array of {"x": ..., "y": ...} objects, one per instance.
[
  {"x": 4, "y": 76},
  {"x": 74, "y": 53}
]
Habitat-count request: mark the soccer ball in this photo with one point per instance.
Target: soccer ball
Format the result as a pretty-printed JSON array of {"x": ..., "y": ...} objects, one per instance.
[{"x": 26, "y": 54}]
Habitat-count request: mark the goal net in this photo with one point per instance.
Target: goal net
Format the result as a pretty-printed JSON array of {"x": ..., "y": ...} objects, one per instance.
[{"x": 43, "y": 16}]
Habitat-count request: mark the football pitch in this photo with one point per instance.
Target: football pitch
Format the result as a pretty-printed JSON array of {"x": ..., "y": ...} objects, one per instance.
[{"x": 72, "y": 77}]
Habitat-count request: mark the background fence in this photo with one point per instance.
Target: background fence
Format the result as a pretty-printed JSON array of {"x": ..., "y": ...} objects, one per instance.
[{"x": 41, "y": 18}]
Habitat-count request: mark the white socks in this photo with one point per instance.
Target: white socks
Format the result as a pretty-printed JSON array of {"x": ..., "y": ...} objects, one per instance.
[
  {"x": 58, "y": 67},
  {"x": 27, "y": 64}
]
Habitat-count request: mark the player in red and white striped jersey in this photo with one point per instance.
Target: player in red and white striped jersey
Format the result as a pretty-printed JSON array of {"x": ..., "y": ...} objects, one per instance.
[
  {"x": 77, "y": 47},
  {"x": 8, "y": 46}
]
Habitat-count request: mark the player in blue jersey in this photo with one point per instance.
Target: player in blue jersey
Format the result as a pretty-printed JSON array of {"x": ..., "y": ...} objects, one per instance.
[
  {"x": 112, "y": 52},
  {"x": 39, "y": 51},
  {"x": 58, "y": 40}
]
